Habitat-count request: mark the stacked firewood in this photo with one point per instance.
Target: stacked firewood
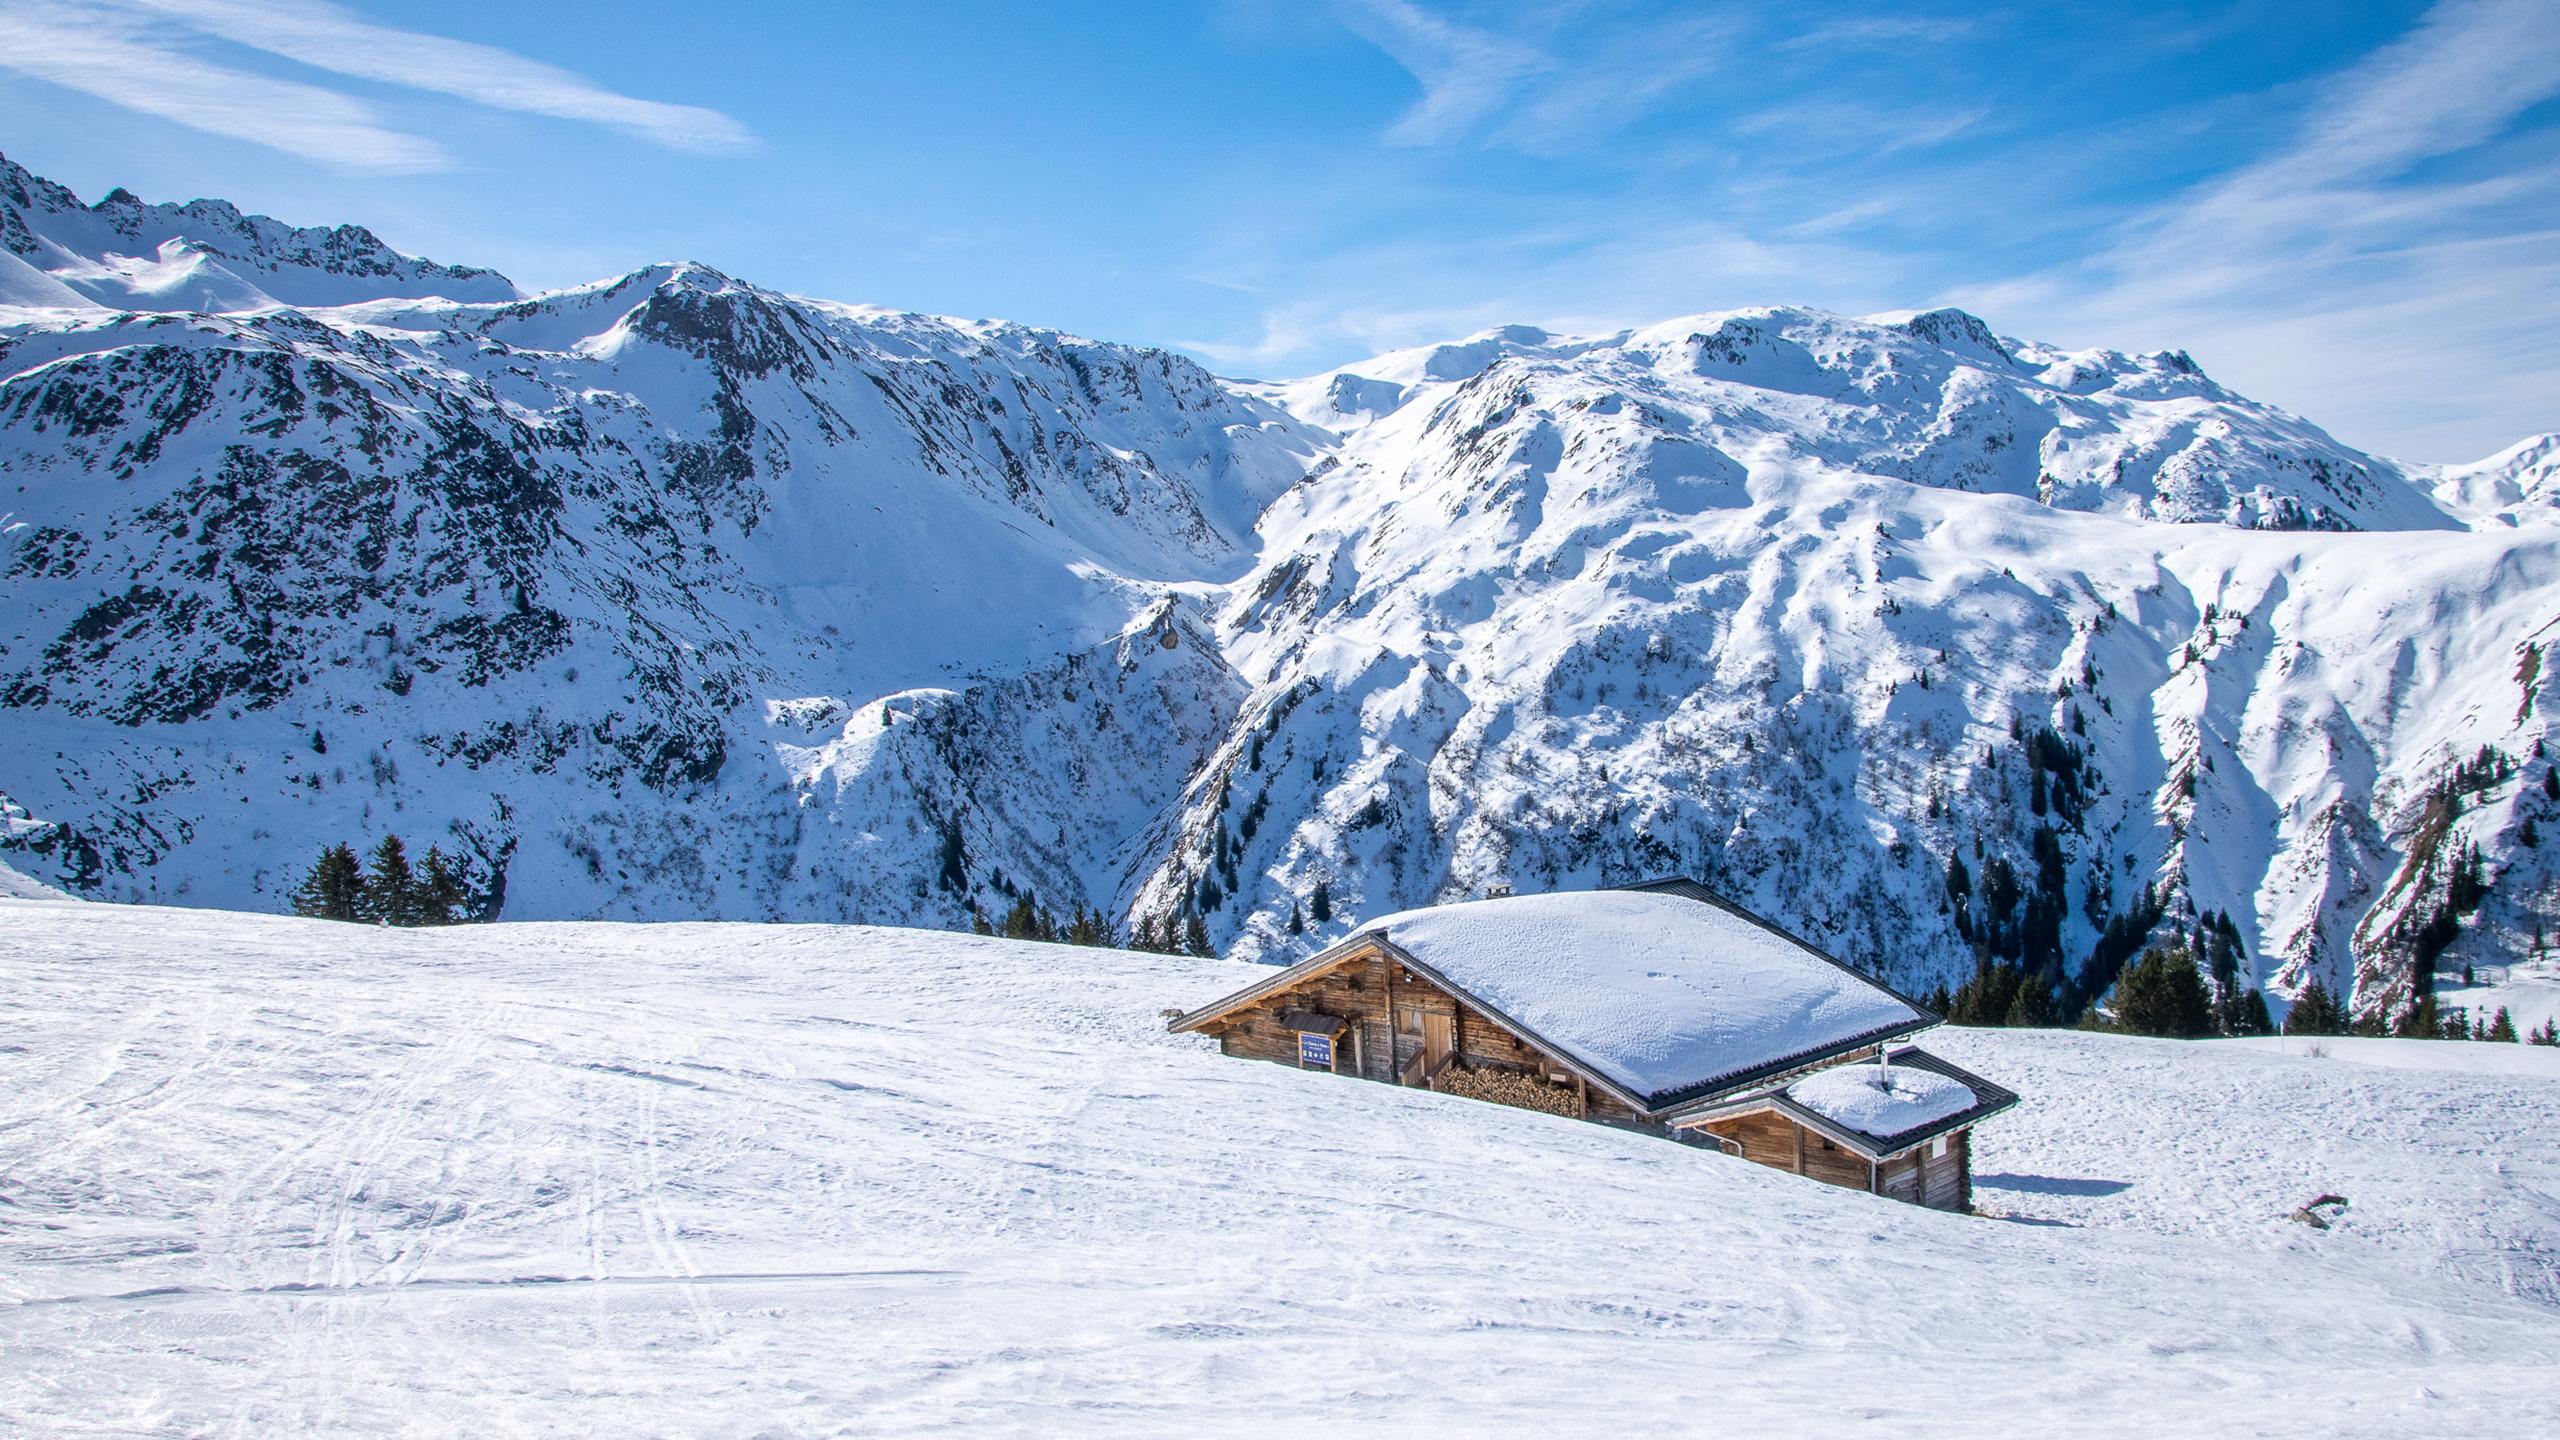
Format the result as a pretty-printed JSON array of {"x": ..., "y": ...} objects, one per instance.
[{"x": 1510, "y": 1087}]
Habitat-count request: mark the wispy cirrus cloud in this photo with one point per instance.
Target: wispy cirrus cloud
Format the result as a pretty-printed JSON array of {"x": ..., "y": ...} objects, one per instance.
[
  {"x": 103, "y": 52},
  {"x": 1876, "y": 31},
  {"x": 135, "y": 53},
  {"x": 1540, "y": 80},
  {"x": 1467, "y": 73},
  {"x": 2355, "y": 259}
]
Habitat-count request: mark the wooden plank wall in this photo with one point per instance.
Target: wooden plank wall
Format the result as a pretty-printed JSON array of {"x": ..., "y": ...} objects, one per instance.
[
  {"x": 1939, "y": 1182},
  {"x": 1950, "y": 1177},
  {"x": 1355, "y": 991},
  {"x": 1369, "y": 992}
]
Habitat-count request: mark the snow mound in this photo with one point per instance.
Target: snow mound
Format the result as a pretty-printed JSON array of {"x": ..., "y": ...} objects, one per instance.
[
  {"x": 1882, "y": 1100},
  {"x": 1657, "y": 992}
]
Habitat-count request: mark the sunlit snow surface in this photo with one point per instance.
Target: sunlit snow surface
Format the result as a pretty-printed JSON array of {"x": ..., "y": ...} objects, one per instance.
[
  {"x": 266, "y": 1177},
  {"x": 1881, "y": 1100}
]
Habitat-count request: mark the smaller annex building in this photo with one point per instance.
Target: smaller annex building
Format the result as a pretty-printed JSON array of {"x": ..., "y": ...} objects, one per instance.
[{"x": 1659, "y": 1007}]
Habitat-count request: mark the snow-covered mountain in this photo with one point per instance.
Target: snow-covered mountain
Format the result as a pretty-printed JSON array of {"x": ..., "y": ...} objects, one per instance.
[
  {"x": 205, "y": 255},
  {"x": 671, "y": 596}
]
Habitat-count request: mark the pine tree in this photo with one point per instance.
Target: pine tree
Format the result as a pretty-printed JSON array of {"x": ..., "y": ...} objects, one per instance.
[
  {"x": 2161, "y": 994},
  {"x": 442, "y": 897},
  {"x": 1195, "y": 936},
  {"x": 1297, "y": 922},
  {"x": 1027, "y": 921},
  {"x": 2246, "y": 1014},
  {"x": 334, "y": 889},
  {"x": 2422, "y": 1022},
  {"x": 389, "y": 888},
  {"x": 2549, "y": 1034},
  {"x": 2032, "y": 1006},
  {"x": 1089, "y": 928},
  {"x": 1320, "y": 904},
  {"x": 2502, "y": 1027},
  {"x": 2315, "y": 1012}
]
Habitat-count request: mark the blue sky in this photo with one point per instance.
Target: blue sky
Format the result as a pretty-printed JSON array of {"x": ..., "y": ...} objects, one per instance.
[{"x": 2350, "y": 210}]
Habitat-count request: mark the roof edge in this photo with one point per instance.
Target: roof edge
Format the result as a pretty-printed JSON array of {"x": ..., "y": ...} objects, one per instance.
[
  {"x": 1708, "y": 1091},
  {"x": 1992, "y": 1099},
  {"x": 1281, "y": 979}
]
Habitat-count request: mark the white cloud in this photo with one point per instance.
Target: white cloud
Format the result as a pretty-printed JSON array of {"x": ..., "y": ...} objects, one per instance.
[
  {"x": 1574, "y": 277},
  {"x": 1879, "y": 31},
  {"x": 103, "y": 54},
  {"x": 129, "y": 53},
  {"x": 1547, "y": 81},
  {"x": 326, "y": 37},
  {"x": 1467, "y": 74},
  {"x": 1868, "y": 129},
  {"x": 2327, "y": 277}
]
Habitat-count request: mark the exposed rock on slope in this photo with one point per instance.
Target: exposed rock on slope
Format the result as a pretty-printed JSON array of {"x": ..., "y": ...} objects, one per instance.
[{"x": 671, "y": 596}]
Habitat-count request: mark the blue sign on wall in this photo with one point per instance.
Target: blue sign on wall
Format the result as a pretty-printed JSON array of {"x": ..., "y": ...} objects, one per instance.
[{"x": 1315, "y": 1051}]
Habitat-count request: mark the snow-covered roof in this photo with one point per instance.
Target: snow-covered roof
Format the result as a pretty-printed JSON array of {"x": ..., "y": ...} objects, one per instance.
[
  {"x": 1876, "y": 1111},
  {"x": 1660, "y": 993},
  {"x": 1882, "y": 1101}
]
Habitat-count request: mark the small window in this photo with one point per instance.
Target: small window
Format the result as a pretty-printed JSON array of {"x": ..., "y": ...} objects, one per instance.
[
  {"x": 1938, "y": 1148},
  {"x": 1408, "y": 1019}
]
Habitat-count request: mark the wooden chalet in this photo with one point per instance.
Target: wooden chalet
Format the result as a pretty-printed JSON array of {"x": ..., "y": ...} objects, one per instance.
[{"x": 1659, "y": 1007}]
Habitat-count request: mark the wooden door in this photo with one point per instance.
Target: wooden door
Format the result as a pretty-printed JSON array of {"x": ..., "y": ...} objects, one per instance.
[{"x": 1439, "y": 1038}]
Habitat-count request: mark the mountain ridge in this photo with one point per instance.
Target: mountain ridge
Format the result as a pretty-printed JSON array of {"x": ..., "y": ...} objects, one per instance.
[{"x": 669, "y": 595}]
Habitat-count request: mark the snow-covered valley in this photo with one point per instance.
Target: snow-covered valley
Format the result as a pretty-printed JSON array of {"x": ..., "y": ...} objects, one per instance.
[
  {"x": 261, "y": 1175},
  {"x": 671, "y": 597}
]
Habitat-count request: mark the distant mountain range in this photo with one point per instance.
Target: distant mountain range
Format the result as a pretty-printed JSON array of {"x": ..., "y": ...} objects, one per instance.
[{"x": 672, "y": 597}]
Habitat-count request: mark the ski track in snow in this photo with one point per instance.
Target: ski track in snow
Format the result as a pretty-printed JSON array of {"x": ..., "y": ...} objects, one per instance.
[{"x": 265, "y": 1176}]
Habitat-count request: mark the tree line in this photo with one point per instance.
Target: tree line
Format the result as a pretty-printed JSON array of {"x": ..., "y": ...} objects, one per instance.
[
  {"x": 1185, "y": 932},
  {"x": 390, "y": 891},
  {"x": 2167, "y": 993}
]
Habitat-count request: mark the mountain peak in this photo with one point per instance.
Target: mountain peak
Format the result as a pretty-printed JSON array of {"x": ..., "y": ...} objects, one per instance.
[
  {"x": 1960, "y": 331},
  {"x": 128, "y": 253}
]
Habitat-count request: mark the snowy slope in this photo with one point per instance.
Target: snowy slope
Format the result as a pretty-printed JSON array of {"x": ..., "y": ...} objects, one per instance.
[
  {"x": 286, "y": 1177},
  {"x": 1780, "y": 599},
  {"x": 673, "y": 597},
  {"x": 2519, "y": 485},
  {"x": 204, "y": 255},
  {"x": 2448, "y": 1167},
  {"x": 608, "y": 590}
]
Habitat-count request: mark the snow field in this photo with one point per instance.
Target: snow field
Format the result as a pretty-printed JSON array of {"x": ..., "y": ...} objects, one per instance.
[
  {"x": 267, "y": 1176},
  {"x": 2449, "y": 1172}
]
